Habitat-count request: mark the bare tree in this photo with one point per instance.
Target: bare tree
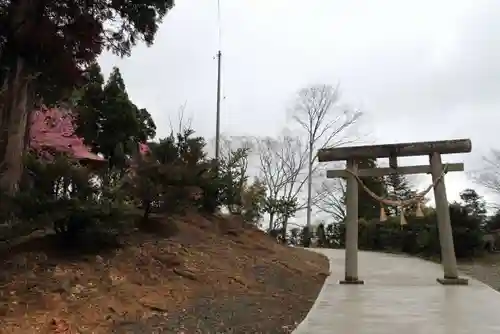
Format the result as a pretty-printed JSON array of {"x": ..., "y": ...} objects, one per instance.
[
  {"x": 489, "y": 175},
  {"x": 332, "y": 200},
  {"x": 293, "y": 155},
  {"x": 182, "y": 124},
  {"x": 230, "y": 144},
  {"x": 283, "y": 167},
  {"x": 272, "y": 170},
  {"x": 326, "y": 122}
]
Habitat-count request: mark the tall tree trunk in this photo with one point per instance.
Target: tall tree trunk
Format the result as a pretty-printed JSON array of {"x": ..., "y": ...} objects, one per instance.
[
  {"x": 283, "y": 231},
  {"x": 31, "y": 105},
  {"x": 271, "y": 222},
  {"x": 13, "y": 126}
]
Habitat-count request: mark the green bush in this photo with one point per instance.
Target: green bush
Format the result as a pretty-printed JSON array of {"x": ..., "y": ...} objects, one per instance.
[
  {"x": 176, "y": 176},
  {"x": 419, "y": 237},
  {"x": 173, "y": 177},
  {"x": 305, "y": 237}
]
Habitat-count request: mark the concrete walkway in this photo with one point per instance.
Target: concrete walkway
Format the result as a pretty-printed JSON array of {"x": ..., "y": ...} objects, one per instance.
[{"x": 400, "y": 295}]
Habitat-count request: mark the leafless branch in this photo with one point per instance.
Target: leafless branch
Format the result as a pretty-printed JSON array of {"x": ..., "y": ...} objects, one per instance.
[
  {"x": 231, "y": 144},
  {"x": 293, "y": 155},
  {"x": 332, "y": 202},
  {"x": 325, "y": 121},
  {"x": 326, "y": 124},
  {"x": 489, "y": 175},
  {"x": 272, "y": 170},
  {"x": 182, "y": 125}
]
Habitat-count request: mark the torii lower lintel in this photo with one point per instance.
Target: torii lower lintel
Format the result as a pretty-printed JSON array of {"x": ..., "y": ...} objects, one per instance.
[{"x": 405, "y": 170}]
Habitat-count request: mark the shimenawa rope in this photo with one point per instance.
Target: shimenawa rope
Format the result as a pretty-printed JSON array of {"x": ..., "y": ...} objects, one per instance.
[{"x": 399, "y": 203}]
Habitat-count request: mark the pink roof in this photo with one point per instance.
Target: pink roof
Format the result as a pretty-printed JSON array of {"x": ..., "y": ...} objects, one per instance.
[
  {"x": 144, "y": 149},
  {"x": 52, "y": 129}
]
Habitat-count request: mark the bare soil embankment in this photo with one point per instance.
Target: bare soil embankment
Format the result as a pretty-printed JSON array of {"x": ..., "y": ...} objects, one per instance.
[{"x": 189, "y": 274}]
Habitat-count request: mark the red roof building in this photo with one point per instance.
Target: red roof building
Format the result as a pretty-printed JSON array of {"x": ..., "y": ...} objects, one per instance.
[{"x": 52, "y": 130}]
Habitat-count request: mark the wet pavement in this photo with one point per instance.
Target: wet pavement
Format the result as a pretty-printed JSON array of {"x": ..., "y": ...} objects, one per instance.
[{"x": 400, "y": 295}]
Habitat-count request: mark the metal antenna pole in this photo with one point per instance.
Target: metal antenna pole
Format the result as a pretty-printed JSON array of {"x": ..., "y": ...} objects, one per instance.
[
  {"x": 217, "y": 123},
  {"x": 219, "y": 58}
]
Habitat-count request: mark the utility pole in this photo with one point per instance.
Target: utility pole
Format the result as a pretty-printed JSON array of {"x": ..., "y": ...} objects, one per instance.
[
  {"x": 217, "y": 122},
  {"x": 309, "y": 182}
]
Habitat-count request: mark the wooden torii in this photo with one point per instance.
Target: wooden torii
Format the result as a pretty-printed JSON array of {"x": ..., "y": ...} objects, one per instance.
[{"x": 434, "y": 149}]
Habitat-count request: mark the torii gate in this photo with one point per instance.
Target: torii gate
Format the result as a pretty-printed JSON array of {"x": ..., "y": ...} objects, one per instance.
[{"x": 434, "y": 150}]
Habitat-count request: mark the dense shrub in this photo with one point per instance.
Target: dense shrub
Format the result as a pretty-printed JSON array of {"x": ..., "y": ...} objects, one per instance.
[
  {"x": 176, "y": 175},
  {"x": 172, "y": 176},
  {"x": 305, "y": 236},
  {"x": 419, "y": 237},
  {"x": 65, "y": 196}
]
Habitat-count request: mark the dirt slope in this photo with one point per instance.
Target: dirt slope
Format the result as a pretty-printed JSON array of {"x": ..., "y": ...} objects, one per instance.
[{"x": 185, "y": 274}]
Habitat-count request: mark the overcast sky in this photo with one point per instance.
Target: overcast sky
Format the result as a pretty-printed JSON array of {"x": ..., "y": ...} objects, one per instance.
[{"x": 419, "y": 70}]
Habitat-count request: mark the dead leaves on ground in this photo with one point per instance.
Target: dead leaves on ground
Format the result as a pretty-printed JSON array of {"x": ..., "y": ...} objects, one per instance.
[{"x": 153, "y": 275}]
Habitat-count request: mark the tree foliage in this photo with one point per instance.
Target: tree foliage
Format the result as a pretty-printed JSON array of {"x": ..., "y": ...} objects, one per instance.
[
  {"x": 233, "y": 169},
  {"x": 75, "y": 195},
  {"x": 253, "y": 202},
  {"x": 398, "y": 187},
  {"x": 48, "y": 52},
  {"x": 45, "y": 47},
  {"x": 108, "y": 120},
  {"x": 473, "y": 203},
  {"x": 55, "y": 39},
  {"x": 420, "y": 236},
  {"x": 368, "y": 207}
]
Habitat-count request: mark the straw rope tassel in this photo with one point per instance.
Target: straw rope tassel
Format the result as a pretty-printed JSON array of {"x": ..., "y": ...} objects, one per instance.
[
  {"x": 383, "y": 216},
  {"x": 419, "y": 213},
  {"x": 400, "y": 203},
  {"x": 403, "y": 219}
]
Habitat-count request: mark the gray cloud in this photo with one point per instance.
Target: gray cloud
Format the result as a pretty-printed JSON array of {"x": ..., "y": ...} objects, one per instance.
[{"x": 423, "y": 70}]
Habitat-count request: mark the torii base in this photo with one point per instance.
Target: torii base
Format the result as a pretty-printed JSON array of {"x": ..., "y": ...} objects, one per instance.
[
  {"x": 352, "y": 280},
  {"x": 453, "y": 281}
]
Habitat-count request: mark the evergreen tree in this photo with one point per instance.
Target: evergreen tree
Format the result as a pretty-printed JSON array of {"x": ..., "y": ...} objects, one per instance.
[
  {"x": 45, "y": 45},
  {"x": 88, "y": 101},
  {"x": 398, "y": 187},
  {"x": 474, "y": 204},
  {"x": 108, "y": 120},
  {"x": 368, "y": 207}
]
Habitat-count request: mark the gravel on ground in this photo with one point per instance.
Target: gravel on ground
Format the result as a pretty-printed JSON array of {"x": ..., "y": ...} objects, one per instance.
[{"x": 485, "y": 269}]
